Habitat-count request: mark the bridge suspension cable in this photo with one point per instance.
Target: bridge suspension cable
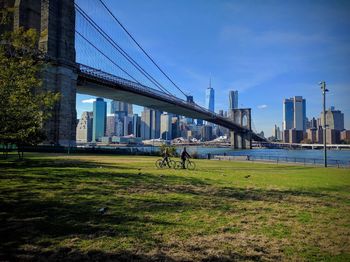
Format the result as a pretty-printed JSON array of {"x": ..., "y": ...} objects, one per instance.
[
  {"x": 134, "y": 40},
  {"x": 120, "y": 50},
  {"x": 103, "y": 54}
]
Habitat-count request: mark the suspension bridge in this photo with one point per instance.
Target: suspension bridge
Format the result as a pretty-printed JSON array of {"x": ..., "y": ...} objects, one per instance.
[{"x": 97, "y": 55}]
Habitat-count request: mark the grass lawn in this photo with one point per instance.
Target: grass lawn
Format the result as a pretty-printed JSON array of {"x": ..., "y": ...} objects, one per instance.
[{"x": 221, "y": 211}]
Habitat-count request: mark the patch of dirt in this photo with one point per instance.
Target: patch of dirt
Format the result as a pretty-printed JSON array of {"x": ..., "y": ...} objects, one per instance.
[{"x": 225, "y": 247}]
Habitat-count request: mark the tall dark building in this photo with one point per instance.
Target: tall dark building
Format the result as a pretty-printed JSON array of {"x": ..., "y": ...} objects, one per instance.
[
  {"x": 100, "y": 119},
  {"x": 233, "y": 99}
]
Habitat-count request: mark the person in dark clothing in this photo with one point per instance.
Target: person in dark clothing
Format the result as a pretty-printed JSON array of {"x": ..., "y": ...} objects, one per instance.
[
  {"x": 166, "y": 157},
  {"x": 184, "y": 156}
]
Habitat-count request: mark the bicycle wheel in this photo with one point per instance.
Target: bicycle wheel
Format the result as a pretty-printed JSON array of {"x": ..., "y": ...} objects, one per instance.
[
  {"x": 172, "y": 164},
  {"x": 159, "y": 163},
  {"x": 178, "y": 165},
  {"x": 190, "y": 165}
]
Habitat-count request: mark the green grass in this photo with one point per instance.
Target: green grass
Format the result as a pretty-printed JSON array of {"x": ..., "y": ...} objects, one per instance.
[{"x": 221, "y": 211}]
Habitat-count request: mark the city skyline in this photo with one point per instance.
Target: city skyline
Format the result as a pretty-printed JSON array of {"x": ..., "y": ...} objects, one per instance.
[{"x": 292, "y": 53}]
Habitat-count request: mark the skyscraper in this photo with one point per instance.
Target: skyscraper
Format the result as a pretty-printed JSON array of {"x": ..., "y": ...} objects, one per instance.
[
  {"x": 121, "y": 106},
  {"x": 294, "y": 113},
  {"x": 136, "y": 125},
  {"x": 209, "y": 98},
  {"x": 166, "y": 126},
  {"x": 128, "y": 125},
  {"x": 288, "y": 114},
  {"x": 119, "y": 119},
  {"x": 111, "y": 126},
  {"x": 276, "y": 132},
  {"x": 233, "y": 99},
  {"x": 99, "y": 123},
  {"x": 334, "y": 119},
  {"x": 84, "y": 127},
  {"x": 150, "y": 124}
]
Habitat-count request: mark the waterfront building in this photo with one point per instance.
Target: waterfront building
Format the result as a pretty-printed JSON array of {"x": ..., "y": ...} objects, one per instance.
[
  {"x": 312, "y": 123},
  {"x": 276, "y": 133},
  {"x": 199, "y": 122},
  {"x": 126, "y": 140},
  {"x": 121, "y": 106},
  {"x": 319, "y": 135},
  {"x": 128, "y": 125},
  {"x": 334, "y": 119},
  {"x": 209, "y": 98},
  {"x": 136, "y": 125},
  {"x": 106, "y": 140},
  {"x": 175, "y": 127},
  {"x": 150, "y": 124},
  {"x": 311, "y": 134},
  {"x": 84, "y": 128},
  {"x": 194, "y": 132},
  {"x": 295, "y": 136},
  {"x": 166, "y": 126},
  {"x": 118, "y": 106},
  {"x": 206, "y": 132},
  {"x": 119, "y": 120},
  {"x": 130, "y": 109},
  {"x": 216, "y": 132},
  {"x": 111, "y": 128},
  {"x": 221, "y": 112},
  {"x": 155, "y": 128},
  {"x": 286, "y": 136},
  {"x": 345, "y": 135},
  {"x": 288, "y": 114},
  {"x": 332, "y": 136},
  {"x": 294, "y": 114},
  {"x": 99, "y": 123},
  {"x": 233, "y": 99}
]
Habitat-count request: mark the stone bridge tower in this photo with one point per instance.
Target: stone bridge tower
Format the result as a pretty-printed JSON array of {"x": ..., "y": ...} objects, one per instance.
[
  {"x": 242, "y": 117},
  {"x": 55, "y": 22}
]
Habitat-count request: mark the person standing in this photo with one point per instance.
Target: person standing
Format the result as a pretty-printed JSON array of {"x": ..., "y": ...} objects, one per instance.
[
  {"x": 166, "y": 157},
  {"x": 184, "y": 155}
]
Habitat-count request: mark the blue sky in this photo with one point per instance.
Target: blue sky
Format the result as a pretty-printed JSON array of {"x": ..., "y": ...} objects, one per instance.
[{"x": 267, "y": 50}]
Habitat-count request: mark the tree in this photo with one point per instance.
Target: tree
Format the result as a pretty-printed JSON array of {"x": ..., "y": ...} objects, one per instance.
[
  {"x": 306, "y": 141},
  {"x": 171, "y": 149},
  {"x": 24, "y": 105}
]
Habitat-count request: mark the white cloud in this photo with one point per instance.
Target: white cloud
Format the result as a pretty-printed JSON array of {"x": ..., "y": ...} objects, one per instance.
[
  {"x": 88, "y": 101},
  {"x": 262, "y": 106}
]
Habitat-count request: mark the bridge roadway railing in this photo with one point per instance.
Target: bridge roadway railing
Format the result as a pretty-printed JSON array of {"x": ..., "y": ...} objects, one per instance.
[
  {"x": 101, "y": 75},
  {"x": 97, "y": 73}
]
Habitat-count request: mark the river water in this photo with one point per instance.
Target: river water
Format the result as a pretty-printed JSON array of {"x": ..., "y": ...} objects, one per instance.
[{"x": 285, "y": 155}]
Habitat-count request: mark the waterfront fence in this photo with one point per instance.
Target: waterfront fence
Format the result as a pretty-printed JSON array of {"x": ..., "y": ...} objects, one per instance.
[{"x": 282, "y": 159}]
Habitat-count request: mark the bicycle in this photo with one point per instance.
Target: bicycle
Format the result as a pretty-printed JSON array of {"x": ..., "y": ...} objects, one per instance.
[
  {"x": 162, "y": 164},
  {"x": 190, "y": 165}
]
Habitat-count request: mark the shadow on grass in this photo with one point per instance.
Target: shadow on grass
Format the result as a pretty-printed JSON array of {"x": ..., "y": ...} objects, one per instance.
[
  {"x": 56, "y": 163},
  {"x": 31, "y": 217},
  {"x": 68, "y": 254}
]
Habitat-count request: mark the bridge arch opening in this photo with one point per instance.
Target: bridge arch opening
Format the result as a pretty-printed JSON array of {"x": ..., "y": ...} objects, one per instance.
[{"x": 244, "y": 120}]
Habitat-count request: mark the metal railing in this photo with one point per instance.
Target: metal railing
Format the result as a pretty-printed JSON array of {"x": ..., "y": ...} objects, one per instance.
[
  {"x": 99, "y": 74},
  {"x": 283, "y": 159}
]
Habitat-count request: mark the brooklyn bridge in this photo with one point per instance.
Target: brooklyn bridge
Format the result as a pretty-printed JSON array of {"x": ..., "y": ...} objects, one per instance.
[{"x": 88, "y": 59}]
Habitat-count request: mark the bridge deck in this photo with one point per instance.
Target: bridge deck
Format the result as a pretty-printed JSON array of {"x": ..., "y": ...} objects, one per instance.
[{"x": 98, "y": 83}]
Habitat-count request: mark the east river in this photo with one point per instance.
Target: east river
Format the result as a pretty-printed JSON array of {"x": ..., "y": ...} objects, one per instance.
[{"x": 283, "y": 155}]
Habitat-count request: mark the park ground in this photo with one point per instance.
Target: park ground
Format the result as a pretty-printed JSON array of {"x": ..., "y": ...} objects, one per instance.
[{"x": 222, "y": 211}]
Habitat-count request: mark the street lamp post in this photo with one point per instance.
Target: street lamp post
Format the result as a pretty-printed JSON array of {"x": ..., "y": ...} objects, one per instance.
[{"x": 324, "y": 90}]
